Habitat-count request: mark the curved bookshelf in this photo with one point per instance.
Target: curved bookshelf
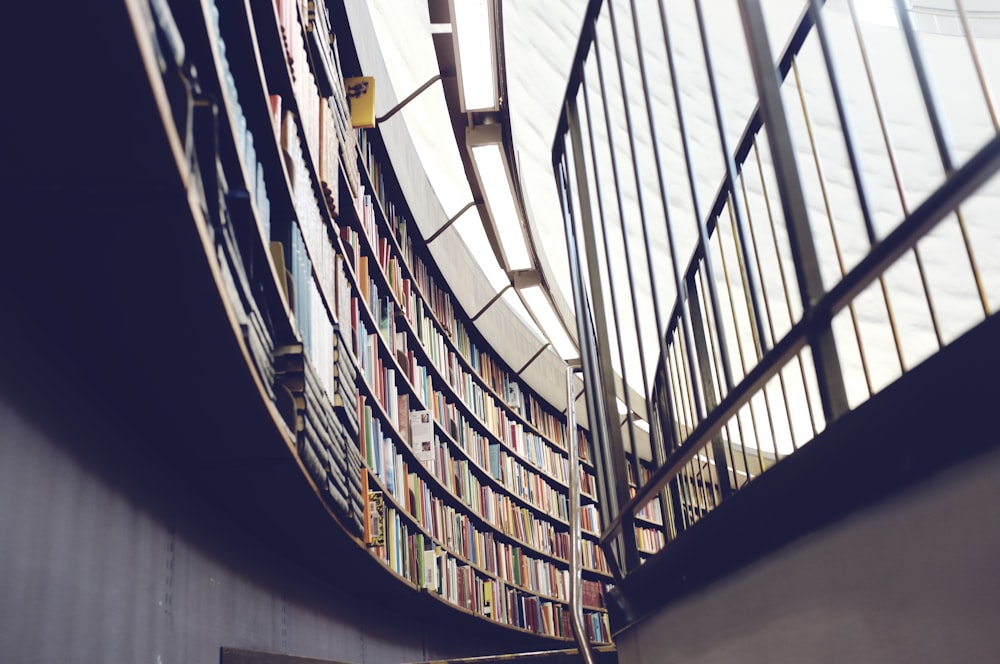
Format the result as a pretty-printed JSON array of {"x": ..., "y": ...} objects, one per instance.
[
  {"x": 528, "y": 444},
  {"x": 340, "y": 328}
]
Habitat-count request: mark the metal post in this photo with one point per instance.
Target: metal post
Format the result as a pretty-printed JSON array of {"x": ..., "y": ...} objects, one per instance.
[
  {"x": 833, "y": 394},
  {"x": 575, "y": 578}
]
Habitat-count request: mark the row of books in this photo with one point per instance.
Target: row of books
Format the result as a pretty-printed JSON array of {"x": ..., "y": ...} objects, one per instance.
[
  {"x": 239, "y": 289},
  {"x": 253, "y": 170},
  {"x": 592, "y": 594},
  {"x": 477, "y": 545},
  {"x": 649, "y": 540},
  {"x": 651, "y": 511},
  {"x": 313, "y": 225},
  {"x": 480, "y": 402},
  {"x": 487, "y": 455},
  {"x": 439, "y": 302},
  {"x": 422, "y": 501},
  {"x": 426, "y": 565},
  {"x": 313, "y": 319},
  {"x": 437, "y": 459},
  {"x": 502, "y": 382},
  {"x": 491, "y": 458},
  {"x": 316, "y": 82},
  {"x": 230, "y": 176},
  {"x": 481, "y": 406},
  {"x": 483, "y": 498},
  {"x": 427, "y": 327},
  {"x": 592, "y": 557},
  {"x": 381, "y": 376},
  {"x": 310, "y": 139}
]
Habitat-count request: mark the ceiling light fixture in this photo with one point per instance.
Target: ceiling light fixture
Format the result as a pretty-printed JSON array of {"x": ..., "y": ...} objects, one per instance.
[
  {"x": 538, "y": 303},
  {"x": 489, "y": 160},
  {"x": 475, "y": 54}
]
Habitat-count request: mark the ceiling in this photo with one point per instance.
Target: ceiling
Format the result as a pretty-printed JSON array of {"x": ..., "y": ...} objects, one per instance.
[{"x": 540, "y": 42}]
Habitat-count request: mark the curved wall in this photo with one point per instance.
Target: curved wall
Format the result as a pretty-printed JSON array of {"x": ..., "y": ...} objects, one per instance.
[{"x": 110, "y": 553}]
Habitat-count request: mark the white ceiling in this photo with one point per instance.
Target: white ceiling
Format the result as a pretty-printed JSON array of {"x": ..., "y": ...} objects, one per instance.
[{"x": 540, "y": 43}]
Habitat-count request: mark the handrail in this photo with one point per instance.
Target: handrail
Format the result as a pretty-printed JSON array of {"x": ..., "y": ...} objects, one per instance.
[
  {"x": 575, "y": 567},
  {"x": 964, "y": 182}
]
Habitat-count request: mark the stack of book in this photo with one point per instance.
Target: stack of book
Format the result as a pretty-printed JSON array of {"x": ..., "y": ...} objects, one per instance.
[
  {"x": 345, "y": 404},
  {"x": 326, "y": 449},
  {"x": 236, "y": 210}
]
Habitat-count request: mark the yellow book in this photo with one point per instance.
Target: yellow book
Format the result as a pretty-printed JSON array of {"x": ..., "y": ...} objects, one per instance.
[
  {"x": 361, "y": 95},
  {"x": 488, "y": 599}
]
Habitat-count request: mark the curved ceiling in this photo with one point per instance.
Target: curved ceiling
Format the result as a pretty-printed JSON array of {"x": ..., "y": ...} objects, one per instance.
[{"x": 540, "y": 42}]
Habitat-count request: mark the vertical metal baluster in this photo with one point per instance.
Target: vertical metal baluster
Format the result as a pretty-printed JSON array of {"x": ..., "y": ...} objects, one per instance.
[
  {"x": 757, "y": 326},
  {"x": 701, "y": 294},
  {"x": 692, "y": 391},
  {"x": 984, "y": 82},
  {"x": 596, "y": 364},
  {"x": 709, "y": 485},
  {"x": 677, "y": 368},
  {"x": 644, "y": 223},
  {"x": 707, "y": 488},
  {"x": 923, "y": 81},
  {"x": 767, "y": 300},
  {"x": 940, "y": 136},
  {"x": 732, "y": 454},
  {"x": 825, "y": 359},
  {"x": 973, "y": 263},
  {"x": 728, "y": 438},
  {"x": 698, "y": 486},
  {"x": 704, "y": 347},
  {"x": 897, "y": 176},
  {"x": 692, "y": 182},
  {"x": 702, "y": 277},
  {"x": 664, "y": 197},
  {"x": 830, "y": 223},
  {"x": 620, "y": 460},
  {"x": 715, "y": 479},
  {"x": 819, "y": 23},
  {"x": 575, "y": 589},
  {"x": 696, "y": 493},
  {"x": 676, "y": 395},
  {"x": 732, "y": 307},
  {"x": 784, "y": 285},
  {"x": 610, "y": 263},
  {"x": 729, "y": 285}
]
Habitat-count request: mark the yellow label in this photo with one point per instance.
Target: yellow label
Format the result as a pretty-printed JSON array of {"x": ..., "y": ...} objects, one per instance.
[{"x": 360, "y": 92}]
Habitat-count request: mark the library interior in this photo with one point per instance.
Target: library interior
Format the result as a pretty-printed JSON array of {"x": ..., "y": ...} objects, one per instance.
[{"x": 475, "y": 331}]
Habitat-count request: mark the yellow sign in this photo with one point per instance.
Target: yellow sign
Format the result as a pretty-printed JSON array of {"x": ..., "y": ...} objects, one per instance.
[{"x": 361, "y": 96}]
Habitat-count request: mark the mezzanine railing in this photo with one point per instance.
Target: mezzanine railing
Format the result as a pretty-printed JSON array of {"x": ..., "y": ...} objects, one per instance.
[{"x": 853, "y": 234}]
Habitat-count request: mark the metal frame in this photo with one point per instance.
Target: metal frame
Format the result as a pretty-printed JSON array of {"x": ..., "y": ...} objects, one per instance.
[{"x": 706, "y": 400}]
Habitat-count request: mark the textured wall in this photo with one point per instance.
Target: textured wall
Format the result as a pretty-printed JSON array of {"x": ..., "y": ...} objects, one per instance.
[
  {"x": 913, "y": 580},
  {"x": 106, "y": 555}
]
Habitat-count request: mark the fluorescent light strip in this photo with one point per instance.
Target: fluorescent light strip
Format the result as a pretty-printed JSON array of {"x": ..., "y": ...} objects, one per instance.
[
  {"x": 536, "y": 300},
  {"x": 476, "y": 59},
  {"x": 500, "y": 198}
]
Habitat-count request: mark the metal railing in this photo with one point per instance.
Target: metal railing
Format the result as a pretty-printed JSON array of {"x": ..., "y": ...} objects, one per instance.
[{"x": 828, "y": 263}]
